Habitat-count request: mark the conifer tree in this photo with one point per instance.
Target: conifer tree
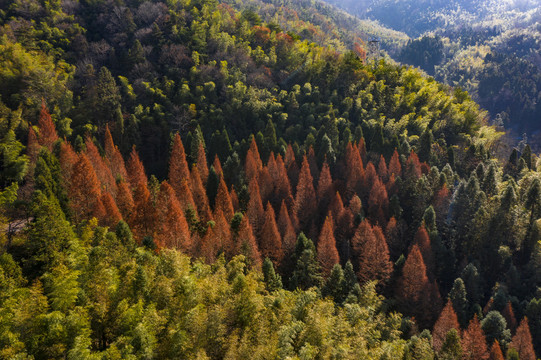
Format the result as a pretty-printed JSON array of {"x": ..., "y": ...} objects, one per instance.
[
  {"x": 223, "y": 201},
  {"x": 474, "y": 346},
  {"x": 325, "y": 189},
  {"x": 394, "y": 165},
  {"x": 451, "y": 348},
  {"x": 185, "y": 197},
  {"x": 273, "y": 281},
  {"x": 306, "y": 273},
  {"x": 178, "y": 166},
  {"x": 305, "y": 200},
  {"x": 200, "y": 196},
  {"x": 266, "y": 186},
  {"x": 372, "y": 254},
  {"x": 282, "y": 186},
  {"x": 143, "y": 218},
  {"x": 202, "y": 165},
  {"x": 112, "y": 214},
  {"x": 255, "y": 211},
  {"x": 67, "y": 159},
  {"x": 270, "y": 242},
  {"x": 222, "y": 234},
  {"x": 124, "y": 199},
  {"x": 218, "y": 166},
  {"x": 84, "y": 190},
  {"x": 287, "y": 230},
  {"x": 370, "y": 176},
  {"x": 245, "y": 243},
  {"x": 394, "y": 242},
  {"x": 335, "y": 285},
  {"x": 522, "y": 341},
  {"x": 378, "y": 202},
  {"x": 458, "y": 297},
  {"x": 423, "y": 242},
  {"x": 509, "y": 316},
  {"x": 135, "y": 169},
  {"x": 47, "y": 130},
  {"x": 114, "y": 157},
  {"x": 32, "y": 145},
  {"x": 103, "y": 172},
  {"x": 496, "y": 351},
  {"x": 444, "y": 324},
  {"x": 355, "y": 171},
  {"x": 383, "y": 172},
  {"x": 413, "y": 167},
  {"x": 327, "y": 254},
  {"x": 253, "y": 162},
  {"x": 173, "y": 231}
]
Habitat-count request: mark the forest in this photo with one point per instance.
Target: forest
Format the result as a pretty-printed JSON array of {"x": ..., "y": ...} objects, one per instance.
[{"x": 211, "y": 180}]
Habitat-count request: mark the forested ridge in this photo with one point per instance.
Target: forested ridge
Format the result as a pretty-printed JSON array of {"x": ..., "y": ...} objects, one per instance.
[{"x": 192, "y": 179}]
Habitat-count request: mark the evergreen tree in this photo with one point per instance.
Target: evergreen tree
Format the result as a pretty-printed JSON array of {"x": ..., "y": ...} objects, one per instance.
[
  {"x": 451, "y": 348},
  {"x": 273, "y": 281},
  {"x": 458, "y": 297},
  {"x": 306, "y": 273}
]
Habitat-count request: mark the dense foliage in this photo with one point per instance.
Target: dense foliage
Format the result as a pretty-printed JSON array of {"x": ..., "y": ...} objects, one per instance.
[{"x": 200, "y": 181}]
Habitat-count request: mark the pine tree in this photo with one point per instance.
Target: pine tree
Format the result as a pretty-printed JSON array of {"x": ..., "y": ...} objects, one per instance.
[
  {"x": 305, "y": 200},
  {"x": 496, "y": 351},
  {"x": 47, "y": 130},
  {"x": 306, "y": 272},
  {"x": 522, "y": 341},
  {"x": 327, "y": 254},
  {"x": 474, "y": 346},
  {"x": 451, "y": 348},
  {"x": 372, "y": 254},
  {"x": 270, "y": 242},
  {"x": 458, "y": 297},
  {"x": 444, "y": 324}
]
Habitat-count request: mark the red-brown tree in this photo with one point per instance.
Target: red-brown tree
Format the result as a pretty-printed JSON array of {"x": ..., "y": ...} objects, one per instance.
[
  {"x": 178, "y": 166},
  {"x": 124, "y": 199},
  {"x": 522, "y": 341},
  {"x": 423, "y": 242},
  {"x": 202, "y": 165},
  {"x": 218, "y": 166},
  {"x": 254, "y": 210},
  {"x": 413, "y": 166},
  {"x": 287, "y": 230},
  {"x": 383, "y": 172},
  {"x": 84, "y": 191},
  {"x": 305, "y": 200},
  {"x": 394, "y": 165},
  {"x": 447, "y": 321},
  {"x": 115, "y": 161},
  {"x": 496, "y": 351},
  {"x": 200, "y": 196},
  {"x": 509, "y": 316},
  {"x": 112, "y": 214},
  {"x": 327, "y": 254},
  {"x": 246, "y": 244},
  {"x": 394, "y": 242},
  {"x": 68, "y": 158},
  {"x": 223, "y": 201},
  {"x": 103, "y": 172},
  {"x": 355, "y": 171},
  {"x": 135, "y": 169},
  {"x": 325, "y": 189},
  {"x": 372, "y": 254},
  {"x": 378, "y": 202},
  {"x": 143, "y": 219},
  {"x": 173, "y": 231},
  {"x": 47, "y": 130},
  {"x": 270, "y": 242},
  {"x": 222, "y": 234},
  {"x": 253, "y": 163},
  {"x": 474, "y": 345}
]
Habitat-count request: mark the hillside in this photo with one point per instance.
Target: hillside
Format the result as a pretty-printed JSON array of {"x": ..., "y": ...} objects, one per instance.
[{"x": 204, "y": 180}]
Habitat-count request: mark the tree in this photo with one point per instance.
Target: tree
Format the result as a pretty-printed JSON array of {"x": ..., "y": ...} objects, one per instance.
[
  {"x": 496, "y": 352},
  {"x": 103, "y": 172},
  {"x": 67, "y": 158},
  {"x": 246, "y": 244},
  {"x": 222, "y": 234},
  {"x": 47, "y": 130},
  {"x": 335, "y": 285},
  {"x": 509, "y": 316},
  {"x": 413, "y": 167},
  {"x": 287, "y": 230},
  {"x": 495, "y": 328},
  {"x": 202, "y": 163},
  {"x": 253, "y": 162},
  {"x": 305, "y": 200},
  {"x": 325, "y": 189},
  {"x": 451, "y": 348},
  {"x": 423, "y": 242},
  {"x": 355, "y": 171},
  {"x": 522, "y": 341},
  {"x": 112, "y": 214},
  {"x": 223, "y": 201},
  {"x": 255, "y": 211},
  {"x": 84, "y": 191},
  {"x": 200, "y": 196},
  {"x": 383, "y": 172},
  {"x": 218, "y": 166},
  {"x": 444, "y": 324},
  {"x": 394, "y": 165},
  {"x": 273, "y": 281},
  {"x": 306, "y": 272},
  {"x": 143, "y": 218},
  {"x": 178, "y": 166},
  {"x": 173, "y": 231},
  {"x": 124, "y": 200},
  {"x": 372, "y": 253},
  {"x": 458, "y": 297},
  {"x": 270, "y": 242},
  {"x": 135, "y": 169},
  {"x": 474, "y": 346},
  {"x": 327, "y": 254},
  {"x": 378, "y": 202},
  {"x": 114, "y": 157}
]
